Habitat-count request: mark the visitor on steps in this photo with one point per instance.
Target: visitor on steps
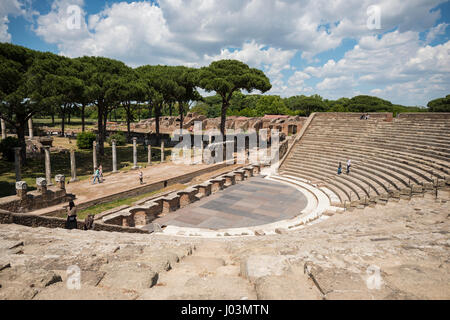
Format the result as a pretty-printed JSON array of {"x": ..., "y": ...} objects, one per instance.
[
  {"x": 339, "y": 168},
  {"x": 141, "y": 177},
  {"x": 89, "y": 222},
  {"x": 96, "y": 175},
  {"x": 71, "y": 222},
  {"x": 349, "y": 164}
]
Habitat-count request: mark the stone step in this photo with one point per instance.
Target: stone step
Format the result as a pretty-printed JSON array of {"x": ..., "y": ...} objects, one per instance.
[
  {"x": 430, "y": 163},
  {"x": 416, "y": 174}
]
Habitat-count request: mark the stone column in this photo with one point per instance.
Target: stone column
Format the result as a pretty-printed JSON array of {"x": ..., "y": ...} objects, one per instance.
[
  {"x": 149, "y": 154},
  {"x": 94, "y": 154},
  {"x": 21, "y": 189},
  {"x": 135, "y": 166},
  {"x": 73, "y": 166},
  {"x": 60, "y": 181},
  {"x": 48, "y": 169},
  {"x": 17, "y": 163},
  {"x": 30, "y": 128},
  {"x": 3, "y": 124},
  {"x": 114, "y": 155},
  {"x": 162, "y": 151}
]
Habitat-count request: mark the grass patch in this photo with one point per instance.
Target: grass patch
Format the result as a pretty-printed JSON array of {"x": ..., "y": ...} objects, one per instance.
[{"x": 82, "y": 214}]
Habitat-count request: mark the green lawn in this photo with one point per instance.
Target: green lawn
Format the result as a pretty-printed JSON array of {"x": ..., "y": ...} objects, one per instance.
[{"x": 60, "y": 163}]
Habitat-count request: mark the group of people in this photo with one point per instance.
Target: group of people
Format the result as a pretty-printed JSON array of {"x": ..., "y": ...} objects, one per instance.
[
  {"x": 349, "y": 164},
  {"x": 98, "y": 174},
  {"x": 364, "y": 116},
  {"x": 71, "y": 222}
]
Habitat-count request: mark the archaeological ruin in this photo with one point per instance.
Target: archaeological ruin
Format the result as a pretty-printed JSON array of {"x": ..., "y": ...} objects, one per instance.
[{"x": 340, "y": 207}]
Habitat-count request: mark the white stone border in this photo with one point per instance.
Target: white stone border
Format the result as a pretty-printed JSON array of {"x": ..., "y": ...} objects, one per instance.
[{"x": 318, "y": 203}]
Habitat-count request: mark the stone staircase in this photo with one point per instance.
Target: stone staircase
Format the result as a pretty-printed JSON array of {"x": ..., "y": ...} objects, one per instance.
[{"x": 391, "y": 157}]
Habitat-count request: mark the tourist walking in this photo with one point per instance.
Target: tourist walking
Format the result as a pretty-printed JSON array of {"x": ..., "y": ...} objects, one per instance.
[
  {"x": 100, "y": 174},
  {"x": 71, "y": 222},
  {"x": 349, "y": 164},
  {"x": 96, "y": 175},
  {"x": 141, "y": 177},
  {"x": 339, "y": 168}
]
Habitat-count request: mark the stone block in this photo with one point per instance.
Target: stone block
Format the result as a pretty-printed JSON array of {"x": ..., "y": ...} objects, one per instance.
[
  {"x": 21, "y": 189},
  {"x": 41, "y": 184},
  {"x": 60, "y": 181},
  {"x": 239, "y": 175},
  {"x": 204, "y": 189},
  {"x": 248, "y": 172},
  {"x": 230, "y": 179},
  {"x": 217, "y": 184},
  {"x": 187, "y": 196},
  {"x": 170, "y": 203}
]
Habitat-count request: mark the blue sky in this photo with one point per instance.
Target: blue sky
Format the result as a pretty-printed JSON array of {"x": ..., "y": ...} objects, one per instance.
[{"x": 332, "y": 48}]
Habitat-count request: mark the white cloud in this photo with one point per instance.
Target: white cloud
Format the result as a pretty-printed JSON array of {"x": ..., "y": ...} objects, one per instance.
[
  {"x": 9, "y": 8},
  {"x": 436, "y": 31},
  {"x": 398, "y": 64},
  {"x": 269, "y": 35}
]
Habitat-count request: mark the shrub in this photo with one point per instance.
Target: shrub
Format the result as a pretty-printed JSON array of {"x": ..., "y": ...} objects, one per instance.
[
  {"x": 7, "y": 148},
  {"x": 85, "y": 140},
  {"x": 120, "y": 138}
]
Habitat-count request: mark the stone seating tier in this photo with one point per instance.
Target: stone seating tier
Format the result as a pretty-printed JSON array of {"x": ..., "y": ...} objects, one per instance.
[{"x": 391, "y": 157}]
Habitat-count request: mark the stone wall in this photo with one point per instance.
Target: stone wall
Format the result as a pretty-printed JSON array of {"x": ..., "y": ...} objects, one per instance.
[
  {"x": 35, "y": 200},
  {"x": 35, "y": 221}
]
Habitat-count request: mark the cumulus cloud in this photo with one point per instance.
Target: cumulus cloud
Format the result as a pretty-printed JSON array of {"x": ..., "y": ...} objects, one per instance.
[
  {"x": 398, "y": 65},
  {"x": 271, "y": 35},
  {"x": 9, "y": 8}
]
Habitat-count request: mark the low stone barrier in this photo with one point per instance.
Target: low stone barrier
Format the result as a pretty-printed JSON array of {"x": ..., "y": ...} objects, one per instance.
[
  {"x": 204, "y": 189},
  {"x": 230, "y": 179},
  {"x": 35, "y": 221},
  {"x": 187, "y": 196},
  {"x": 217, "y": 184}
]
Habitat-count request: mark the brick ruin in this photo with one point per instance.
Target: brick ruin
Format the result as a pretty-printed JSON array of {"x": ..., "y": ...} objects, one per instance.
[
  {"x": 45, "y": 196},
  {"x": 289, "y": 125}
]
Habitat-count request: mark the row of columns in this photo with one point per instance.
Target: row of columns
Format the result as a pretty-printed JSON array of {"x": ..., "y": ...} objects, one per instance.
[
  {"x": 30, "y": 128},
  {"x": 73, "y": 167}
]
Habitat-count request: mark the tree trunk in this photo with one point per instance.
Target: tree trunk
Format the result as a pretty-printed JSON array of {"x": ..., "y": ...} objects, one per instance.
[
  {"x": 157, "y": 114},
  {"x": 82, "y": 117},
  {"x": 68, "y": 117},
  {"x": 181, "y": 110},
  {"x": 20, "y": 128},
  {"x": 128, "y": 112},
  {"x": 63, "y": 120},
  {"x": 170, "y": 108},
  {"x": 105, "y": 124},
  {"x": 223, "y": 117},
  {"x": 53, "y": 119},
  {"x": 101, "y": 139}
]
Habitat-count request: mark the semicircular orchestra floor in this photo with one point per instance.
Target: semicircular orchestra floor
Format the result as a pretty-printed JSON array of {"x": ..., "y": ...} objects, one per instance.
[{"x": 253, "y": 202}]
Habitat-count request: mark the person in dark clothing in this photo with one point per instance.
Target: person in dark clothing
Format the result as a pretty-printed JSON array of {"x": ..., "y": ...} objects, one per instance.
[
  {"x": 339, "y": 168},
  {"x": 71, "y": 222}
]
